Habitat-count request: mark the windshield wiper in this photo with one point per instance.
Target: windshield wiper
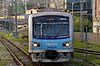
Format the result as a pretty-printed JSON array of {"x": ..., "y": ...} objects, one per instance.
[{"x": 63, "y": 36}]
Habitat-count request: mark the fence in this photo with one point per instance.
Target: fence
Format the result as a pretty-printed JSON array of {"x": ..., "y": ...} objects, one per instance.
[{"x": 92, "y": 37}]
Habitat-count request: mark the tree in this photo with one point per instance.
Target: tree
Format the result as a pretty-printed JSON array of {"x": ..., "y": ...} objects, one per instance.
[{"x": 86, "y": 22}]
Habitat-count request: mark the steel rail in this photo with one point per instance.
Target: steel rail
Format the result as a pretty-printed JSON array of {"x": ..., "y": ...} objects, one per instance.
[
  {"x": 81, "y": 50},
  {"x": 12, "y": 54},
  {"x": 22, "y": 57}
]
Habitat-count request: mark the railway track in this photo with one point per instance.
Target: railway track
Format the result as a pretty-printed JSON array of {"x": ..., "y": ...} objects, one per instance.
[
  {"x": 53, "y": 64},
  {"x": 23, "y": 59},
  {"x": 89, "y": 51},
  {"x": 20, "y": 57}
]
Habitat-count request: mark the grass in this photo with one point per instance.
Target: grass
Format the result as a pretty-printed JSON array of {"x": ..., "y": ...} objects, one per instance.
[
  {"x": 97, "y": 61},
  {"x": 4, "y": 59},
  {"x": 91, "y": 58},
  {"x": 79, "y": 44},
  {"x": 19, "y": 40},
  {"x": 2, "y": 48},
  {"x": 26, "y": 48},
  {"x": 10, "y": 37},
  {"x": 3, "y": 62},
  {"x": 83, "y": 56},
  {"x": 80, "y": 63}
]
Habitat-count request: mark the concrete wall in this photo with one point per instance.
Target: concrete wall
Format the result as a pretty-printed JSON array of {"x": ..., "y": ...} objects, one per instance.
[{"x": 92, "y": 37}]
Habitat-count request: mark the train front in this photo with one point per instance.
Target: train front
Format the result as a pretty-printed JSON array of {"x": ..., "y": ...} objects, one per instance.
[{"x": 50, "y": 37}]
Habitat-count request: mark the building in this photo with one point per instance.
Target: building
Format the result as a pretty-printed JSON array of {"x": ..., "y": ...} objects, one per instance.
[
  {"x": 87, "y": 7},
  {"x": 87, "y": 4},
  {"x": 59, "y": 4},
  {"x": 96, "y": 16},
  {"x": 44, "y": 3},
  {"x": 76, "y": 4}
]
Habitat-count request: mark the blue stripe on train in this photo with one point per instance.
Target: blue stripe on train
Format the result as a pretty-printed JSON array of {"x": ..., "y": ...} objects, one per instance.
[{"x": 51, "y": 44}]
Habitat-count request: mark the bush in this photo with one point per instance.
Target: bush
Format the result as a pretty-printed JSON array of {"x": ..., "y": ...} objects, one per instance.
[{"x": 85, "y": 23}]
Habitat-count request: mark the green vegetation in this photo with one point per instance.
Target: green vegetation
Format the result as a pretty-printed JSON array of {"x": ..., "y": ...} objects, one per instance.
[
  {"x": 4, "y": 56},
  {"x": 20, "y": 7},
  {"x": 25, "y": 48},
  {"x": 97, "y": 61},
  {"x": 10, "y": 37},
  {"x": 92, "y": 57},
  {"x": 2, "y": 48},
  {"x": 83, "y": 63},
  {"x": 79, "y": 44},
  {"x": 83, "y": 56},
  {"x": 81, "y": 59},
  {"x": 86, "y": 22},
  {"x": 18, "y": 40},
  {"x": 4, "y": 62}
]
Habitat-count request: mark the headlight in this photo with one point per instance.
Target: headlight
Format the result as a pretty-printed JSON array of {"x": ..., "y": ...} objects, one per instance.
[
  {"x": 36, "y": 44},
  {"x": 66, "y": 44}
]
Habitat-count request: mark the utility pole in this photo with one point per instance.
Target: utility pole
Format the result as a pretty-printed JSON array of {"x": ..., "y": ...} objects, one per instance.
[
  {"x": 25, "y": 10},
  {"x": 16, "y": 31},
  {"x": 5, "y": 14},
  {"x": 86, "y": 40},
  {"x": 25, "y": 5},
  {"x": 9, "y": 15},
  {"x": 81, "y": 19},
  {"x": 72, "y": 8}
]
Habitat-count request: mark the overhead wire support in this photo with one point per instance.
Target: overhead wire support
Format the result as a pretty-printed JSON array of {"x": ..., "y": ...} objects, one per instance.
[
  {"x": 25, "y": 5},
  {"x": 16, "y": 21},
  {"x": 86, "y": 39},
  {"x": 5, "y": 14},
  {"x": 81, "y": 20}
]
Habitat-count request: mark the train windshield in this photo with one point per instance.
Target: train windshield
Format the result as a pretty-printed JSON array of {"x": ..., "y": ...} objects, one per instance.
[{"x": 50, "y": 26}]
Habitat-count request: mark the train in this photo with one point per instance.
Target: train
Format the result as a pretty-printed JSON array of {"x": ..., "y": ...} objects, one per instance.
[{"x": 51, "y": 36}]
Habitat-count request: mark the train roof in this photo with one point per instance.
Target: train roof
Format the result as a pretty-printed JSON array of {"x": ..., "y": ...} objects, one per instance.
[
  {"x": 48, "y": 10},
  {"x": 50, "y": 13}
]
